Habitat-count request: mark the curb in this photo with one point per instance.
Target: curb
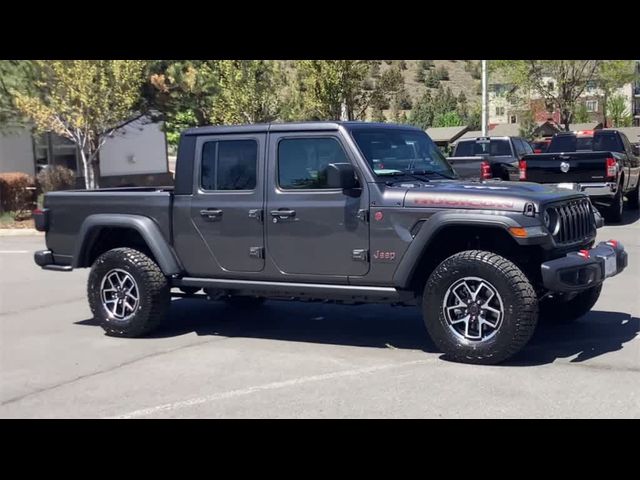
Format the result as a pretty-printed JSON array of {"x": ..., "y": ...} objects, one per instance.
[{"x": 19, "y": 232}]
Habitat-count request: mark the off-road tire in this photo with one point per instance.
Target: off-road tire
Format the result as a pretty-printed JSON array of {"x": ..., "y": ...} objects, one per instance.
[
  {"x": 153, "y": 291},
  {"x": 613, "y": 212},
  {"x": 520, "y": 307},
  {"x": 563, "y": 311},
  {"x": 633, "y": 198}
]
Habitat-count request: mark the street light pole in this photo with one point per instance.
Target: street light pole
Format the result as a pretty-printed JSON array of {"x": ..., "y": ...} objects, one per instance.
[{"x": 485, "y": 107}]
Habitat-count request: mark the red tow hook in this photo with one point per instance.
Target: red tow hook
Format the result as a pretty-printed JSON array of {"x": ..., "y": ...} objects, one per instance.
[{"x": 585, "y": 254}]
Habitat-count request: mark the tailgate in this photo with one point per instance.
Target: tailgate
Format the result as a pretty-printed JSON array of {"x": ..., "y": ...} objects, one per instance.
[
  {"x": 467, "y": 168},
  {"x": 580, "y": 167}
]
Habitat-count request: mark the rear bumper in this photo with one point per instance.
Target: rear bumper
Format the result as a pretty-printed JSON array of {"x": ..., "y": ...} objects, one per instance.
[
  {"x": 44, "y": 259},
  {"x": 596, "y": 190},
  {"x": 584, "y": 269}
]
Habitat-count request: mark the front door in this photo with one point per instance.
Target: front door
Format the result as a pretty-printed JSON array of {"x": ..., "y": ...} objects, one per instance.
[
  {"x": 311, "y": 229},
  {"x": 228, "y": 203}
]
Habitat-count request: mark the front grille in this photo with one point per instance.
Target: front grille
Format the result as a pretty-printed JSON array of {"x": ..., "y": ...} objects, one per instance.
[{"x": 571, "y": 222}]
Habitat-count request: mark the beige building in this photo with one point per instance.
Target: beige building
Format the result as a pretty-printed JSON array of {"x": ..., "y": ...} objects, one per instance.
[{"x": 506, "y": 103}]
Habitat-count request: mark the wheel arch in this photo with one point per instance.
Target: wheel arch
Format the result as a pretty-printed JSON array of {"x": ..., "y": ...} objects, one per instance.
[
  {"x": 101, "y": 232},
  {"x": 448, "y": 234}
]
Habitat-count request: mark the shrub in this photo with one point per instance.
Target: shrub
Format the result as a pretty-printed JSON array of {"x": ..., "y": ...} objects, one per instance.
[
  {"x": 16, "y": 192},
  {"x": 442, "y": 73},
  {"x": 56, "y": 177}
]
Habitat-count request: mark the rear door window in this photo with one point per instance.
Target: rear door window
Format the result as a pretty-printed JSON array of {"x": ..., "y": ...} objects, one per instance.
[{"x": 495, "y": 147}]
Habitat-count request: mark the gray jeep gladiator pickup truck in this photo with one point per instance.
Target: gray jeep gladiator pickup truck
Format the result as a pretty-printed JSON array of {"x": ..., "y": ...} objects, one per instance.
[{"x": 349, "y": 212}]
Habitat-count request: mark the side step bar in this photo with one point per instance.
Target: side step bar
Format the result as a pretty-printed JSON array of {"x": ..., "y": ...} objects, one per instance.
[{"x": 289, "y": 289}]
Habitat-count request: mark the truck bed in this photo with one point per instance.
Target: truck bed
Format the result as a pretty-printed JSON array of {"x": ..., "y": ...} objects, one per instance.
[{"x": 67, "y": 210}]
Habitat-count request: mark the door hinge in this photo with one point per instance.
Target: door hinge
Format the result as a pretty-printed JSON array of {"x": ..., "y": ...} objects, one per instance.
[
  {"x": 360, "y": 254},
  {"x": 256, "y": 252},
  {"x": 363, "y": 215},
  {"x": 255, "y": 213}
]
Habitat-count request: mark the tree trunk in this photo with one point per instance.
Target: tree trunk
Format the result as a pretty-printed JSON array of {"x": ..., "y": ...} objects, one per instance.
[
  {"x": 565, "y": 118},
  {"x": 95, "y": 170},
  {"x": 86, "y": 170},
  {"x": 605, "y": 99}
]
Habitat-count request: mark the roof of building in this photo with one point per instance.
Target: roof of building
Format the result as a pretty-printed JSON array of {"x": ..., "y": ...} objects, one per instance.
[
  {"x": 471, "y": 134},
  {"x": 574, "y": 127},
  {"x": 446, "y": 134}
]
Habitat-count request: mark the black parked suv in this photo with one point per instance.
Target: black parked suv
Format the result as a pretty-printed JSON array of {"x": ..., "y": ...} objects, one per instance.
[
  {"x": 347, "y": 212},
  {"x": 485, "y": 158}
]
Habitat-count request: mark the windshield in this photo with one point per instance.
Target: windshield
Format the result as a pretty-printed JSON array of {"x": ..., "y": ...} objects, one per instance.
[
  {"x": 471, "y": 148},
  {"x": 392, "y": 152}
]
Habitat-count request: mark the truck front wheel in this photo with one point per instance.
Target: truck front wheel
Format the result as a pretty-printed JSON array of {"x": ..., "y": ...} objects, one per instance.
[
  {"x": 128, "y": 293},
  {"x": 479, "y": 307}
]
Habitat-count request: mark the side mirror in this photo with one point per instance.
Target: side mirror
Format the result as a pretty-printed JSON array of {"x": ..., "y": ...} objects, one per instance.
[{"x": 341, "y": 175}]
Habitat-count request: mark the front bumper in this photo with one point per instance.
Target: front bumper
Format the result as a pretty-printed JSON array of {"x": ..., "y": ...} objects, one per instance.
[{"x": 584, "y": 269}]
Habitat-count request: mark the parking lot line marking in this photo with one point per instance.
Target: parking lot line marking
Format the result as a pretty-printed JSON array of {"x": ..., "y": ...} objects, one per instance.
[
  {"x": 269, "y": 386},
  {"x": 14, "y": 251}
]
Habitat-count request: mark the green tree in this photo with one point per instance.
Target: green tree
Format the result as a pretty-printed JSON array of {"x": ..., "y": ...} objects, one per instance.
[
  {"x": 377, "y": 115},
  {"x": 15, "y": 75},
  {"x": 326, "y": 85},
  {"x": 423, "y": 112},
  {"x": 84, "y": 101},
  {"x": 184, "y": 92},
  {"x": 618, "y": 111},
  {"x": 448, "y": 119},
  {"x": 527, "y": 125},
  {"x": 248, "y": 92},
  {"x": 431, "y": 79},
  {"x": 569, "y": 78},
  {"x": 610, "y": 76},
  {"x": 581, "y": 114}
]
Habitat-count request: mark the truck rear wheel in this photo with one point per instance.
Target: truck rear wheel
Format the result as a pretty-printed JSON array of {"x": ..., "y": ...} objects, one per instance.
[
  {"x": 566, "y": 311},
  {"x": 613, "y": 213},
  {"x": 128, "y": 293},
  {"x": 634, "y": 197},
  {"x": 479, "y": 307}
]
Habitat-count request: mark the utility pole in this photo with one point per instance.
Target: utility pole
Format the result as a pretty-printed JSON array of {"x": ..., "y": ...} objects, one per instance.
[{"x": 485, "y": 106}]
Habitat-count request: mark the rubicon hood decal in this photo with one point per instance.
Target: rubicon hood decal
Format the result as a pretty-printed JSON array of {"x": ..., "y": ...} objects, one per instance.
[
  {"x": 454, "y": 201},
  {"x": 505, "y": 196}
]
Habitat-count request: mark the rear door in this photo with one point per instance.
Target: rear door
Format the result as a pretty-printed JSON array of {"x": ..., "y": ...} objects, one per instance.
[
  {"x": 228, "y": 202},
  {"x": 312, "y": 230}
]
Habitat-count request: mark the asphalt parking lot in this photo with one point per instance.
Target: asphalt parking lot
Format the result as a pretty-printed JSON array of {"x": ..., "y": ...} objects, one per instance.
[{"x": 289, "y": 360}]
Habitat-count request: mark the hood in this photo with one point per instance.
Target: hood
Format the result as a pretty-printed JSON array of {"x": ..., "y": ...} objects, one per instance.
[{"x": 507, "y": 196}]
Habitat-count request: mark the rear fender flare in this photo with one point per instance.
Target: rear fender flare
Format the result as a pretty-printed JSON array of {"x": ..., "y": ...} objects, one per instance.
[{"x": 146, "y": 227}]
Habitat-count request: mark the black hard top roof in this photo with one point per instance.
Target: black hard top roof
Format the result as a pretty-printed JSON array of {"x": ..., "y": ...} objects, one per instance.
[{"x": 293, "y": 126}]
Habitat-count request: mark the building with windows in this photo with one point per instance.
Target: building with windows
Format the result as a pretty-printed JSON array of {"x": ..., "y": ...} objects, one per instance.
[
  {"x": 507, "y": 103},
  {"x": 134, "y": 155}
]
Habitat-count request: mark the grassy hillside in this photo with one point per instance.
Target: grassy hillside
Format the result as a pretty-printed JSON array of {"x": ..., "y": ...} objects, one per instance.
[{"x": 459, "y": 79}]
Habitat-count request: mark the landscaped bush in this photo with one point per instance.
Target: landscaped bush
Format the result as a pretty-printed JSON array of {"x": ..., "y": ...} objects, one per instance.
[
  {"x": 56, "y": 177},
  {"x": 16, "y": 194}
]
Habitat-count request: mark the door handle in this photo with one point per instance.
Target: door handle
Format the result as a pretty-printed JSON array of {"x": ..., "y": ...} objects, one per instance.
[
  {"x": 284, "y": 213},
  {"x": 211, "y": 213}
]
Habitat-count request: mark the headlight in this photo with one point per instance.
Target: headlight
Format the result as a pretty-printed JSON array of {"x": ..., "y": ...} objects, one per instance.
[{"x": 550, "y": 219}]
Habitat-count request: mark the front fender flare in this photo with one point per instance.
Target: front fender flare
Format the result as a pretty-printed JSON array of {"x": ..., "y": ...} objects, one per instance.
[
  {"x": 146, "y": 227},
  {"x": 437, "y": 222}
]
